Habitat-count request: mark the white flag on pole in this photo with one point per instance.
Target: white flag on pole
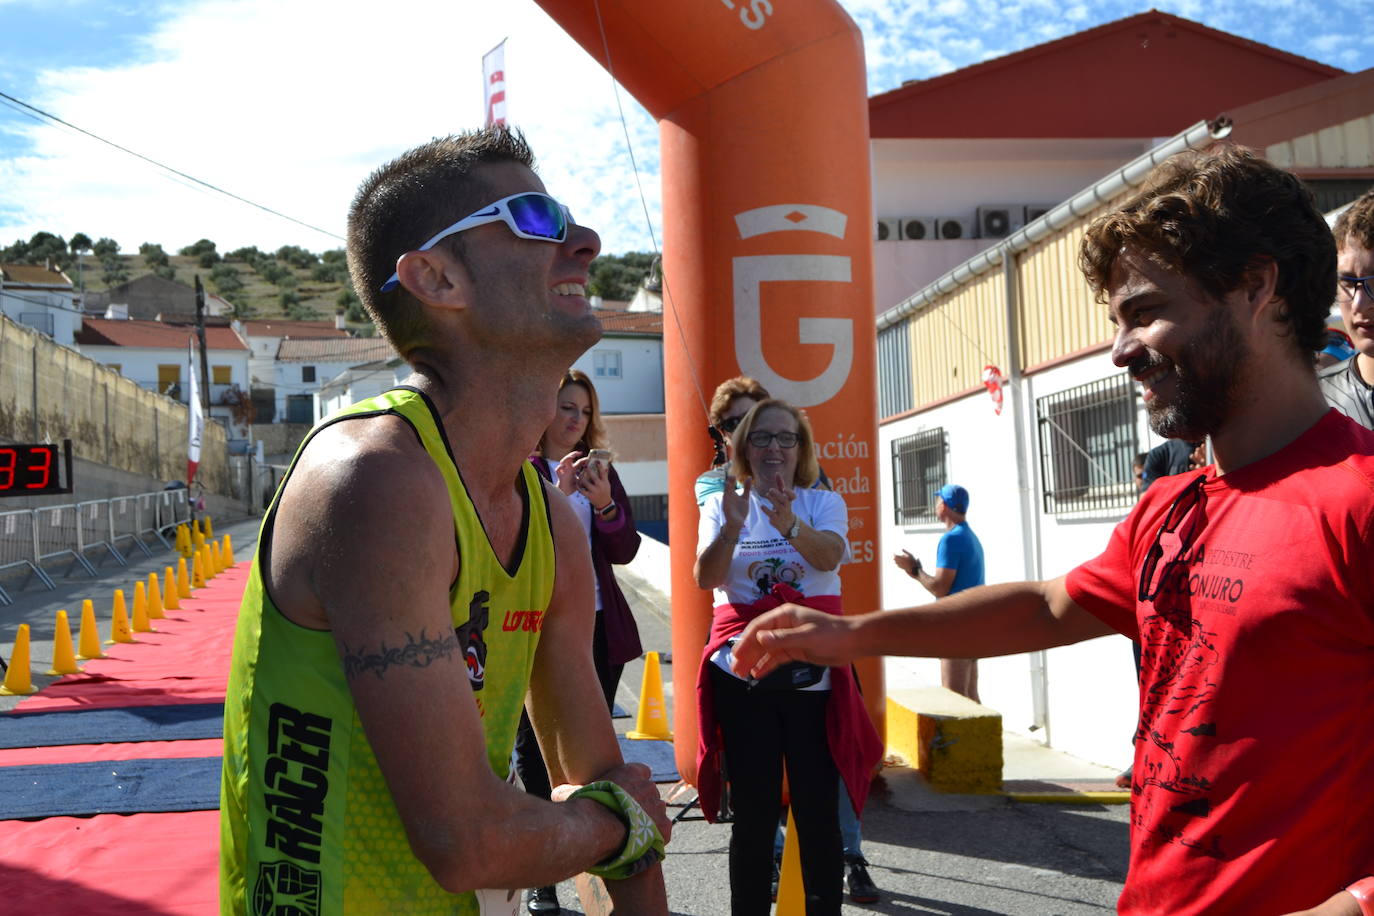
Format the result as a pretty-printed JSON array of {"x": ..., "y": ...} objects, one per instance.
[
  {"x": 494, "y": 84},
  {"x": 197, "y": 425}
]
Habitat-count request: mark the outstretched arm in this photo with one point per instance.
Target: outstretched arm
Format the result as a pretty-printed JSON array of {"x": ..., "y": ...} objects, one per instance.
[{"x": 976, "y": 623}]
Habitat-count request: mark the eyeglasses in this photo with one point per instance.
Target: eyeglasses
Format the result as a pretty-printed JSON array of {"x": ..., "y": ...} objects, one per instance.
[
  {"x": 761, "y": 438},
  {"x": 729, "y": 424},
  {"x": 1347, "y": 286},
  {"x": 529, "y": 215},
  {"x": 1186, "y": 501}
]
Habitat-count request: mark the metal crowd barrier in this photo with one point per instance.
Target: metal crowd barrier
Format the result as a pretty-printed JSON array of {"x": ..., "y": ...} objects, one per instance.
[{"x": 113, "y": 527}]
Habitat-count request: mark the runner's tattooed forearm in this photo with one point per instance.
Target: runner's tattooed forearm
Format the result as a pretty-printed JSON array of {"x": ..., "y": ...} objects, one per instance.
[{"x": 416, "y": 653}]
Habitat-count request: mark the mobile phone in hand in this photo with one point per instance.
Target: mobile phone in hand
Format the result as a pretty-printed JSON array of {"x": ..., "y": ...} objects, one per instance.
[{"x": 601, "y": 456}]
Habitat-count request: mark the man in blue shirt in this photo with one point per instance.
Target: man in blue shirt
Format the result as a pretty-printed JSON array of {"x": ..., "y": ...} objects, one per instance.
[{"x": 958, "y": 565}]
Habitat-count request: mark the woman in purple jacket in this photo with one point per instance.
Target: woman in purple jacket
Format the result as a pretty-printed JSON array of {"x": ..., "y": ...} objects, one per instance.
[{"x": 593, "y": 487}]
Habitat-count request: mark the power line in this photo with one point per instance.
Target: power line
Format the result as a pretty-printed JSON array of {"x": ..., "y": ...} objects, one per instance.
[{"x": 55, "y": 119}]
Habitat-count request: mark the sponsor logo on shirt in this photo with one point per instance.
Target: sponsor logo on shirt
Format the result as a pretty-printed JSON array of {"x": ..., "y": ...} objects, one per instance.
[
  {"x": 295, "y": 788},
  {"x": 471, "y": 640},
  {"x": 527, "y": 621},
  {"x": 286, "y": 889}
]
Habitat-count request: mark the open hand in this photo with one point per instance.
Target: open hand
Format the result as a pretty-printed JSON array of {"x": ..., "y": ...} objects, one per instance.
[
  {"x": 780, "y": 513},
  {"x": 734, "y": 505}
]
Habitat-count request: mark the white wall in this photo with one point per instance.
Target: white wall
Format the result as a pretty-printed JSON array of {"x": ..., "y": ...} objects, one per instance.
[
  {"x": 66, "y": 321},
  {"x": 952, "y": 178},
  {"x": 361, "y": 384},
  {"x": 1092, "y": 692},
  {"x": 640, "y": 386},
  {"x": 139, "y": 364}
]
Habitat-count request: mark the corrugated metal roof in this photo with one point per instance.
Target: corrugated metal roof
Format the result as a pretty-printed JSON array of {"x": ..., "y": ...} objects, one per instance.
[
  {"x": 109, "y": 332},
  {"x": 29, "y": 275},
  {"x": 351, "y": 350}
]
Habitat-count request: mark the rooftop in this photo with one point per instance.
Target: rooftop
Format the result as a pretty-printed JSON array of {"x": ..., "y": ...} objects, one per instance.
[
  {"x": 111, "y": 332},
  {"x": 351, "y": 350}
]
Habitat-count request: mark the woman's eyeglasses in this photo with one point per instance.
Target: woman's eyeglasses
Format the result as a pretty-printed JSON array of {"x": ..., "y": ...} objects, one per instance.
[
  {"x": 529, "y": 215},
  {"x": 1186, "y": 501},
  {"x": 761, "y": 438}
]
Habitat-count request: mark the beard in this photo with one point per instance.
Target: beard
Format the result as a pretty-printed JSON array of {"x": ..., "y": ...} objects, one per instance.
[{"x": 1207, "y": 379}]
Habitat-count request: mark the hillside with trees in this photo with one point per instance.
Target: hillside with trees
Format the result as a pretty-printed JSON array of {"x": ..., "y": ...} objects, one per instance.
[{"x": 290, "y": 282}]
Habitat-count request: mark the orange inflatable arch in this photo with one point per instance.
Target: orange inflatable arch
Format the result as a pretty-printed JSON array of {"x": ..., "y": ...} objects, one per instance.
[{"x": 767, "y": 253}]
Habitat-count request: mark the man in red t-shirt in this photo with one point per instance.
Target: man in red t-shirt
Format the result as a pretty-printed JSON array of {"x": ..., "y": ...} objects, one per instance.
[{"x": 1248, "y": 583}]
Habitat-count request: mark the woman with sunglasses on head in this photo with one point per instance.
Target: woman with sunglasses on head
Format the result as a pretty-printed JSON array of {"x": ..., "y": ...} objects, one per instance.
[
  {"x": 772, "y": 541},
  {"x": 572, "y": 454},
  {"x": 733, "y": 398}
]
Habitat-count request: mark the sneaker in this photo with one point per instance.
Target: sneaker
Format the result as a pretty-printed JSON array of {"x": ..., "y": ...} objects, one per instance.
[
  {"x": 777, "y": 878},
  {"x": 856, "y": 880},
  {"x": 543, "y": 900}
]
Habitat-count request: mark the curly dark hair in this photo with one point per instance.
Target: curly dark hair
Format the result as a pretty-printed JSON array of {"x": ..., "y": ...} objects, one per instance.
[
  {"x": 410, "y": 199},
  {"x": 1356, "y": 223},
  {"x": 1214, "y": 215}
]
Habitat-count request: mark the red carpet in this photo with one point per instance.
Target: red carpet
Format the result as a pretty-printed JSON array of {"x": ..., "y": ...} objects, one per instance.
[{"x": 141, "y": 864}]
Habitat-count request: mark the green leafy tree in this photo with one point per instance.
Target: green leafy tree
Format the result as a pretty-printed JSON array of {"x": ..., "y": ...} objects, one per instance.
[
  {"x": 249, "y": 254},
  {"x": 113, "y": 271},
  {"x": 288, "y": 300},
  {"x": 618, "y": 277},
  {"x": 226, "y": 279},
  {"x": 105, "y": 248},
  {"x": 208, "y": 259},
  {"x": 296, "y": 256},
  {"x": 299, "y": 311},
  {"x": 165, "y": 271},
  {"x": 197, "y": 249},
  {"x": 153, "y": 255},
  {"x": 335, "y": 256},
  {"x": 80, "y": 243}
]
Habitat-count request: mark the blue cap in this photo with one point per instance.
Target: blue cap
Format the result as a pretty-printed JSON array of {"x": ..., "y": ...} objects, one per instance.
[{"x": 955, "y": 496}]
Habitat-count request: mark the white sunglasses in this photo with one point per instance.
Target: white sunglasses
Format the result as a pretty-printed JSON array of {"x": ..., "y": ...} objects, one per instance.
[{"x": 529, "y": 215}]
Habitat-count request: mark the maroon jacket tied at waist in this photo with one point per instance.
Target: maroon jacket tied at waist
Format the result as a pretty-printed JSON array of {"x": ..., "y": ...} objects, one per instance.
[{"x": 854, "y": 743}]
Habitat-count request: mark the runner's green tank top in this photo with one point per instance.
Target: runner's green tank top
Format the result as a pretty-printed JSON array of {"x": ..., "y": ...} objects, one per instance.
[{"x": 307, "y": 824}]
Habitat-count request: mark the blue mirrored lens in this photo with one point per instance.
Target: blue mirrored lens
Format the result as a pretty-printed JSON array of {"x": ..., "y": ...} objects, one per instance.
[{"x": 538, "y": 216}]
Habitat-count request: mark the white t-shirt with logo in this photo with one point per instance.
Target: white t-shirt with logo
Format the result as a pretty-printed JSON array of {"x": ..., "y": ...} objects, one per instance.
[{"x": 764, "y": 557}]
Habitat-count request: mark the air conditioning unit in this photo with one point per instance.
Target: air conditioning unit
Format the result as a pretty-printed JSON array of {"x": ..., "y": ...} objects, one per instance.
[
  {"x": 889, "y": 229},
  {"x": 952, "y": 227},
  {"x": 1035, "y": 211},
  {"x": 918, "y": 228},
  {"x": 997, "y": 221}
]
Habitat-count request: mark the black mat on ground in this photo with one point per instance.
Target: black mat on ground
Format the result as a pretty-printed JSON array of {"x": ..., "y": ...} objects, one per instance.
[
  {"x": 182, "y": 722},
  {"x": 109, "y": 787},
  {"x": 656, "y": 755}
]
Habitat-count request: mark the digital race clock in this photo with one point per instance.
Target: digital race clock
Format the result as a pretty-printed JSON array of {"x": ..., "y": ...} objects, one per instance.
[{"x": 35, "y": 470}]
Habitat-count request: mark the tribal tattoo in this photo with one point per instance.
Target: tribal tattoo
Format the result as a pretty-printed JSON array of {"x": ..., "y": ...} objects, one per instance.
[{"x": 416, "y": 653}]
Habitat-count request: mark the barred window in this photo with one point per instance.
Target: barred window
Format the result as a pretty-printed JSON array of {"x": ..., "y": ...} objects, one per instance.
[
  {"x": 918, "y": 471},
  {"x": 1087, "y": 443}
]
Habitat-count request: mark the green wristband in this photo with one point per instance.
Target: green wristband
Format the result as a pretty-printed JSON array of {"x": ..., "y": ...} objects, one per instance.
[{"x": 643, "y": 843}]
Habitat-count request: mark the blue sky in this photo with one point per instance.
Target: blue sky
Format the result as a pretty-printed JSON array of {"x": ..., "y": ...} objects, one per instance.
[{"x": 270, "y": 99}]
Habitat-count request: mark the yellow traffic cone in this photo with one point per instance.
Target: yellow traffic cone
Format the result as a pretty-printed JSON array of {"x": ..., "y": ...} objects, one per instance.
[
  {"x": 207, "y": 563},
  {"x": 208, "y": 528},
  {"x": 215, "y": 560},
  {"x": 154, "y": 598},
  {"x": 227, "y": 552},
  {"x": 652, "y": 721},
  {"x": 197, "y": 571},
  {"x": 18, "y": 679},
  {"x": 141, "y": 624},
  {"x": 197, "y": 539},
  {"x": 183, "y": 580},
  {"x": 63, "y": 658},
  {"x": 172, "y": 600},
  {"x": 119, "y": 620},
  {"x": 791, "y": 891},
  {"x": 89, "y": 640},
  {"x": 183, "y": 540}
]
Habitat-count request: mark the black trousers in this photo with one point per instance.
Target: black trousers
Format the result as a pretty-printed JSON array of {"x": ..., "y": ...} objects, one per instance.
[
  {"x": 763, "y": 730},
  {"x": 529, "y": 762}
]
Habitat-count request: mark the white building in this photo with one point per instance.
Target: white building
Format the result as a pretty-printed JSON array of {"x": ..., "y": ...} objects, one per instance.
[
  {"x": 626, "y": 365},
  {"x": 1050, "y": 476},
  {"x": 41, "y": 298},
  {"x": 302, "y": 366},
  {"x": 359, "y": 383},
  {"x": 156, "y": 355}
]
